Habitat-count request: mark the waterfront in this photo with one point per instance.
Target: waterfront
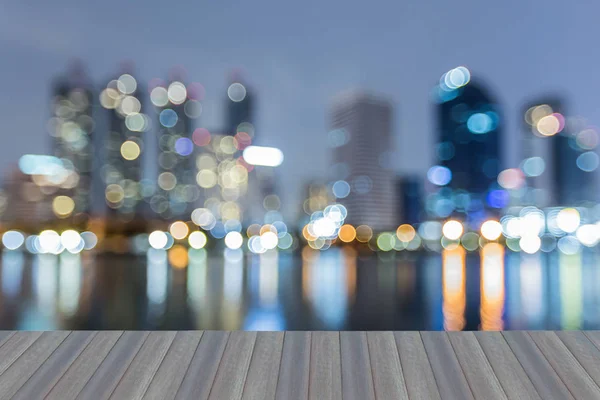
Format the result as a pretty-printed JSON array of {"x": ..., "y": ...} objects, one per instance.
[{"x": 492, "y": 289}]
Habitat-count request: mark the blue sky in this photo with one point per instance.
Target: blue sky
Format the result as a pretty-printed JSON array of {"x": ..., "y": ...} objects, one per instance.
[{"x": 297, "y": 55}]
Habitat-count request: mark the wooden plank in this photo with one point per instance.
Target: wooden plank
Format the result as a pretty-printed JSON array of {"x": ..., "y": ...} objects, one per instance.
[
  {"x": 110, "y": 371},
  {"x": 261, "y": 382},
  {"x": 388, "y": 378},
  {"x": 584, "y": 351},
  {"x": 231, "y": 375},
  {"x": 294, "y": 369},
  {"x": 15, "y": 346},
  {"x": 419, "y": 379},
  {"x": 4, "y": 336},
  {"x": 508, "y": 370},
  {"x": 541, "y": 373},
  {"x": 136, "y": 379},
  {"x": 172, "y": 370},
  {"x": 42, "y": 381},
  {"x": 594, "y": 337},
  {"x": 325, "y": 380},
  {"x": 573, "y": 375},
  {"x": 477, "y": 369},
  {"x": 82, "y": 369},
  {"x": 26, "y": 365},
  {"x": 203, "y": 367},
  {"x": 449, "y": 376},
  {"x": 357, "y": 381}
]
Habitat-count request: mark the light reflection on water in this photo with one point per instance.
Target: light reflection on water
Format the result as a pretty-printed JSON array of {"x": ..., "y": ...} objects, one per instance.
[{"x": 493, "y": 289}]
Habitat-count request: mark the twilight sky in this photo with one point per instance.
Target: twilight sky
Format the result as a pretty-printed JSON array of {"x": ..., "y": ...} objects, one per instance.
[{"x": 297, "y": 55}]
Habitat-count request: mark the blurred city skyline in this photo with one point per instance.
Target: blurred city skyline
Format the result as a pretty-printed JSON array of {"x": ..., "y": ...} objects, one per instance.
[{"x": 399, "y": 53}]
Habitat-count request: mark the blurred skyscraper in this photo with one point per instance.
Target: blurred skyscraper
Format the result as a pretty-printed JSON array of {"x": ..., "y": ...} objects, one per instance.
[
  {"x": 71, "y": 128},
  {"x": 177, "y": 107},
  {"x": 468, "y": 151},
  {"x": 557, "y": 157},
  {"x": 123, "y": 144},
  {"x": 239, "y": 107},
  {"x": 361, "y": 135},
  {"x": 410, "y": 193}
]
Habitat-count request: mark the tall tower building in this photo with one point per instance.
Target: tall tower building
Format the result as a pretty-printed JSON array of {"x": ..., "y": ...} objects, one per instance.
[
  {"x": 71, "y": 127},
  {"x": 240, "y": 107},
  {"x": 361, "y": 132},
  {"x": 177, "y": 189},
  {"x": 557, "y": 157},
  {"x": 123, "y": 144},
  {"x": 468, "y": 149}
]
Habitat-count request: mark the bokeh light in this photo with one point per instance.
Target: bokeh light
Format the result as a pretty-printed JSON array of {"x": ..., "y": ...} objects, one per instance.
[
  {"x": 491, "y": 230},
  {"x": 452, "y": 229}
]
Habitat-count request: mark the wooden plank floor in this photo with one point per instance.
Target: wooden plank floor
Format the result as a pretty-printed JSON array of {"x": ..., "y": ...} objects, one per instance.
[{"x": 299, "y": 365}]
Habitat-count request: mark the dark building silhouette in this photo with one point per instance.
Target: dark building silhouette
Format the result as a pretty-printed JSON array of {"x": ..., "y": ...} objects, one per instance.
[
  {"x": 239, "y": 107},
  {"x": 410, "y": 194},
  {"x": 124, "y": 143},
  {"x": 177, "y": 189},
  {"x": 554, "y": 163},
  {"x": 468, "y": 151},
  {"x": 71, "y": 127}
]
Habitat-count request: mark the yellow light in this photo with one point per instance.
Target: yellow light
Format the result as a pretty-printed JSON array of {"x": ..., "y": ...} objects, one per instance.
[
  {"x": 306, "y": 233},
  {"x": 267, "y": 228},
  {"x": 364, "y": 233},
  {"x": 347, "y": 233},
  {"x": 206, "y": 178},
  {"x": 452, "y": 230},
  {"x": 548, "y": 125},
  {"x": 406, "y": 232},
  {"x": 178, "y": 256},
  {"x": 130, "y": 150},
  {"x": 114, "y": 193},
  {"x": 179, "y": 230},
  {"x": 63, "y": 206},
  {"x": 197, "y": 240},
  {"x": 491, "y": 230}
]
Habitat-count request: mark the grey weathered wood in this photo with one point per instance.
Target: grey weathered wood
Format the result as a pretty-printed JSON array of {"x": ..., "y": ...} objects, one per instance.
[
  {"x": 294, "y": 369},
  {"x": 261, "y": 381},
  {"x": 172, "y": 370},
  {"x": 107, "y": 376},
  {"x": 418, "y": 376},
  {"x": 325, "y": 380},
  {"x": 584, "y": 351},
  {"x": 594, "y": 337},
  {"x": 508, "y": 370},
  {"x": 357, "y": 381},
  {"x": 4, "y": 336},
  {"x": 573, "y": 375},
  {"x": 203, "y": 367},
  {"x": 29, "y": 362},
  {"x": 137, "y": 378},
  {"x": 388, "y": 377},
  {"x": 541, "y": 373},
  {"x": 42, "y": 381},
  {"x": 15, "y": 346},
  {"x": 448, "y": 373},
  {"x": 477, "y": 369},
  {"x": 233, "y": 368},
  {"x": 82, "y": 369}
]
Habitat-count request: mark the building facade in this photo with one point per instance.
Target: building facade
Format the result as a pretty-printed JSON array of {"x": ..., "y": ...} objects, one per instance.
[{"x": 361, "y": 132}]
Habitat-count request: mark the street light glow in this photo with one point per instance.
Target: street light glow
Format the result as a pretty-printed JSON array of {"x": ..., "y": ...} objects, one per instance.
[{"x": 263, "y": 156}]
